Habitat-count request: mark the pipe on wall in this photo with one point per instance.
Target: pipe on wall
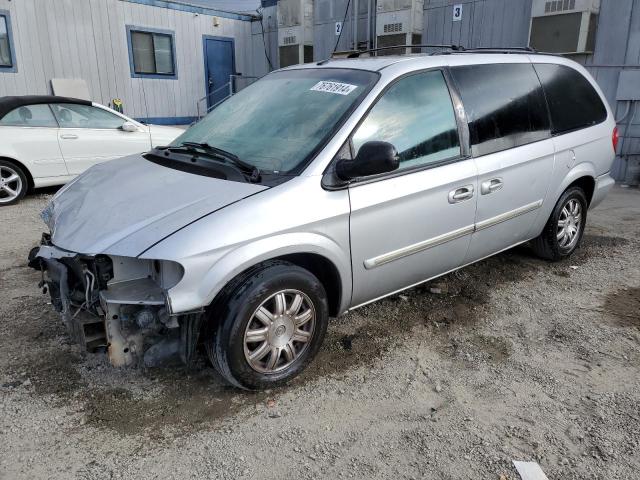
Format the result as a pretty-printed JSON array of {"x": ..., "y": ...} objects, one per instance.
[{"x": 354, "y": 24}]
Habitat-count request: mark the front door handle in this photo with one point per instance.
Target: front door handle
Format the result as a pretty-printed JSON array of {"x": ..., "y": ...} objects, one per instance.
[
  {"x": 491, "y": 186},
  {"x": 461, "y": 194},
  {"x": 69, "y": 136}
]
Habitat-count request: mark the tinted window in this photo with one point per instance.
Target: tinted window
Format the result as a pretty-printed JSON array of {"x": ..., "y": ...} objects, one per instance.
[
  {"x": 84, "y": 116},
  {"x": 505, "y": 106},
  {"x": 573, "y": 102},
  {"x": 30, "y": 116},
  {"x": 416, "y": 116}
]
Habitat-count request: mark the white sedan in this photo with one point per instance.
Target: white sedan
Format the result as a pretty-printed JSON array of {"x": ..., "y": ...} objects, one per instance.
[{"x": 48, "y": 140}]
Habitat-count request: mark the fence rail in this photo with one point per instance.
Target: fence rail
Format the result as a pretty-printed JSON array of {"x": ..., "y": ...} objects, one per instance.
[{"x": 235, "y": 84}]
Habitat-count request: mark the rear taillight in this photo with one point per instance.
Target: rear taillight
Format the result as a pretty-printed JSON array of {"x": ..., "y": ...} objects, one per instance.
[{"x": 615, "y": 138}]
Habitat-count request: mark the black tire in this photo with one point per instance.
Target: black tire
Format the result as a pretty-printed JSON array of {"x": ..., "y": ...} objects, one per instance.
[
  {"x": 21, "y": 185},
  {"x": 546, "y": 245},
  {"x": 230, "y": 316}
]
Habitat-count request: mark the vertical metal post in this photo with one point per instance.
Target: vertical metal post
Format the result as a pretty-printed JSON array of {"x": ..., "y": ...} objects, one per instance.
[
  {"x": 355, "y": 24},
  {"x": 368, "y": 24},
  {"x": 375, "y": 23}
]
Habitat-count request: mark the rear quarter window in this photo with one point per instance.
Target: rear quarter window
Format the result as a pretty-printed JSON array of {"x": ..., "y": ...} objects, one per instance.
[
  {"x": 30, "y": 116},
  {"x": 573, "y": 102},
  {"x": 505, "y": 105}
]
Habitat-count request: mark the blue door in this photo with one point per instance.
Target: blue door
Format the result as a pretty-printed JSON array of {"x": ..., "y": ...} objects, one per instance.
[{"x": 219, "y": 65}]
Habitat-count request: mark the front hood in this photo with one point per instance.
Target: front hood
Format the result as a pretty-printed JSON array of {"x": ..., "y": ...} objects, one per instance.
[{"x": 124, "y": 206}]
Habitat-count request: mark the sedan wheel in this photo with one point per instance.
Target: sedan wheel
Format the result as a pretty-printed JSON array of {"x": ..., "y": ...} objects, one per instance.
[
  {"x": 13, "y": 183},
  {"x": 279, "y": 331}
]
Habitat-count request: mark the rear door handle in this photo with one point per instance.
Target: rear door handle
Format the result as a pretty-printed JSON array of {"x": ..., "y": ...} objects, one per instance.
[
  {"x": 69, "y": 136},
  {"x": 461, "y": 194},
  {"x": 491, "y": 186}
]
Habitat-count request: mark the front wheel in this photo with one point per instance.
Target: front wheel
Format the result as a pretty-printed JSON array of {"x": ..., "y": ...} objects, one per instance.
[
  {"x": 13, "y": 183},
  {"x": 270, "y": 325},
  {"x": 564, "y": 229}
]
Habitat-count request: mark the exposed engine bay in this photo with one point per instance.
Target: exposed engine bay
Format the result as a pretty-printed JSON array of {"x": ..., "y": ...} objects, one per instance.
[{"x": 118, "y": 305}]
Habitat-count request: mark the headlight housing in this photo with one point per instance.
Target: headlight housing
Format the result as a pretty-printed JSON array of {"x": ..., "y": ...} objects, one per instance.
[{"x": 165, "y": 273}]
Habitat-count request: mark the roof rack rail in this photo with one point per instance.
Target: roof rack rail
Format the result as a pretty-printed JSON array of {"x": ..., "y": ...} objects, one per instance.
[
  {"x": 357, "y": 53},
  {"x": 498, "y": 50},
  {"x": 447, "y": 50}
]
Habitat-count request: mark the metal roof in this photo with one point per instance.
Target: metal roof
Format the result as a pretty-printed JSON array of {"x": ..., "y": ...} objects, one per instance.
[{"x": 231, "y": 6}]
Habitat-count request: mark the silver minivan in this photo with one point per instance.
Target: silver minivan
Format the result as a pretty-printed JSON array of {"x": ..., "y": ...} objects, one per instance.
[{"x": 319, "y": 189}]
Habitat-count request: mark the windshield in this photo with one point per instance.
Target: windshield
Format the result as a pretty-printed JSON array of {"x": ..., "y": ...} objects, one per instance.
[{"x": 278, "y": 123}]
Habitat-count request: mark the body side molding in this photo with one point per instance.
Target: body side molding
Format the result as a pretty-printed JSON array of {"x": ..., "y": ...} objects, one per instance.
[{"x": 449, "y": 236}]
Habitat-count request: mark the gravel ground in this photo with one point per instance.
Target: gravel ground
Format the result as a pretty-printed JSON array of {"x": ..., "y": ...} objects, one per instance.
[{"x": 511, "y": 358}]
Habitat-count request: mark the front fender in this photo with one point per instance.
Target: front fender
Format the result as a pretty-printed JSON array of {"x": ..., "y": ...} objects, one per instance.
[{"x": 200, "y": 285}]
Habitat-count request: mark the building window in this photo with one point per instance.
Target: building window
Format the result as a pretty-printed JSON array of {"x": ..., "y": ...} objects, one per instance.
[
  {"x": 7, "y": 53},
  {"x": 151, "y": 53}
]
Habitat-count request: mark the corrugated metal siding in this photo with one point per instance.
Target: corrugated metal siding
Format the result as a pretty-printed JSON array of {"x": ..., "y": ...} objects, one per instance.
[
  {"x": 87, "y": 39},
  {"x": 485, "y": 23},
  {"x": 325, "y": 15}
]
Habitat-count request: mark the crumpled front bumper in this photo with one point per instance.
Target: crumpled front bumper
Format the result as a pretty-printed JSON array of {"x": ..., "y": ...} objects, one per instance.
[{"x": 128, "y": 317}]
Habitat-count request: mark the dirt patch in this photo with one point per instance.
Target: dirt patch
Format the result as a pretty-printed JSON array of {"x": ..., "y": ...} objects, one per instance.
[
  {"x": 54, "y": 372},
  {"x": 440, "y": 311},
  {"x": 189, "y": 401},
  {"x": 603, "y": 241},
  {"x": 131, "y": 402},
  {"x": 624, "y": 307},
  {"x": 597, "y": 245}
]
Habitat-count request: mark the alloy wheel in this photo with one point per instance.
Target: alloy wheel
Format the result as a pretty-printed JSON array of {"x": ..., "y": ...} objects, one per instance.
[
  {"x": 569, "y": 224},
  {"x": 279, "y": 331},
  {"x": 10, "y": 184}
]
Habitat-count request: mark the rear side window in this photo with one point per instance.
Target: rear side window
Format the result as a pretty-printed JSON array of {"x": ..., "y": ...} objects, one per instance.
[
  {"x": 30, "y": 116},
  {"x": 573, "y": 102},
  {"x": 505, "y": 106}
]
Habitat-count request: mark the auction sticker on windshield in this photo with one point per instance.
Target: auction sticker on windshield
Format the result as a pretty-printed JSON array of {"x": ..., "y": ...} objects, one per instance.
[{"x": 334, "y": 87}]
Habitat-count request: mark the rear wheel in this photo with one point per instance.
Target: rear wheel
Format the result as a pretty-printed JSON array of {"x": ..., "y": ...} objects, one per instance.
[
  {"x": 564, "y": 229},
  {"x": 13, "y": 183},
  {"x": 270, "y": 325}
]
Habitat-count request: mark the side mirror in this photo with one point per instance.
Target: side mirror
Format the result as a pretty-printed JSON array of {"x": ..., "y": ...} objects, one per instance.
[
  {"x": 128, "y": 127},
  {"x": 373, "y": 158}
]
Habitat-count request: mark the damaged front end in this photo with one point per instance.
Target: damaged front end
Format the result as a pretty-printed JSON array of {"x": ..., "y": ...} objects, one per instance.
[{"x": 118, "y": 304}]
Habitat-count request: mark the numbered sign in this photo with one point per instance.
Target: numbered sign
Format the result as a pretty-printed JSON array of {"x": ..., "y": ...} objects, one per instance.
[
  {"x": 457, "y": 12},
  {"x": 338, "y": 28}
]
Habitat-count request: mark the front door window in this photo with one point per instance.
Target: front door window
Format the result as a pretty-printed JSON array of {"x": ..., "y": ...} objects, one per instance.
[{"x": 416, "y": 116}]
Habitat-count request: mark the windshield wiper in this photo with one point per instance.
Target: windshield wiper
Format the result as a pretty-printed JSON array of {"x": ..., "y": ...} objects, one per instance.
[{"x": 253, "y": 171}]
